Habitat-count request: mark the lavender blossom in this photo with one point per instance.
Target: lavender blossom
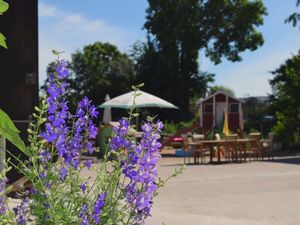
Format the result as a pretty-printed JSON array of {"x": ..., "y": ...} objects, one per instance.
[
  {"x": 69, "y": 141},
  {"x": 139, "y": 165},
  {"x": 3, "y": 208},
  {"x": 98, "y": 205},
  {"x": 21, "y": 212}
]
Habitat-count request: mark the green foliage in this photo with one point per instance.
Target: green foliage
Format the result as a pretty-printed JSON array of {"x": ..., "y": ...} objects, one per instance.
[
  {"x": 286, "y": 101},
  {"x": 3, "y": 8},
  {"x": 258, "y": 115},
  {"x": 178, "y": 29},
  {"x": 216, "y": 88},
  {"x": 11, "y": 133},
  {"x": 173, "y": 128},
  {"x": 294, "y": 18},
  {"x": 3, "y": 41},
  {"x": 162, "y": 80}
]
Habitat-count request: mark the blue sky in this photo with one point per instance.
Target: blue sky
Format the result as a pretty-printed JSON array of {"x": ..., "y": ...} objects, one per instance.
[{"x": 70, "y": 24}]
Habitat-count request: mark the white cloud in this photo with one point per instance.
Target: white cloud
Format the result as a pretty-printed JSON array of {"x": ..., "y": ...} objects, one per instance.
[
  {"x": 69, "y": 31},
  {"x": 252, "y": 75},
  {"x": 48, "y": 10}
]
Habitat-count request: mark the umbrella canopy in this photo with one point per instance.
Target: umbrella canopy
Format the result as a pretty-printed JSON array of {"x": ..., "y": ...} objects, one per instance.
[
  {"x": 225, "y": 125},
  {"x": 107, "y": 111},
  {"x": 142, "y": 100}
]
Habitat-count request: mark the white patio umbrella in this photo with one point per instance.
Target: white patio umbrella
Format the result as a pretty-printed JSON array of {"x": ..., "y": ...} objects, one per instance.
[
  {"x": 142, "y": 100},
  {"x": 107, "y": 111}
]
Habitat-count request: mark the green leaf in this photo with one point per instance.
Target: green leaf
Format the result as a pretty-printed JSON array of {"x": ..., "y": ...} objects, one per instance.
[
  {"x": 2, "y": 41},
  {"x": 3, "y": 6},
  {"x": 9, "y": 131},
  {"x": 57, "y": 53}
]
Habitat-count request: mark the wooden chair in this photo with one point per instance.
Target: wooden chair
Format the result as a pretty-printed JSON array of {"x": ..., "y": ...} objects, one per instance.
[
  {"x": 186, "y": 148},
  {"x": 256, "y": 149},
  {"x": 267, "y": 145},
  {"x": 231, "y": 147},
  {"x": 200, "y": 150},
  {"x": 198, "y": 137},
  {"x": 222, "y": 147}
]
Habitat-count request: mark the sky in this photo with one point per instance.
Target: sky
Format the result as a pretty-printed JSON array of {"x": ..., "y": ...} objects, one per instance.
[{"x": 71, "y": 24}]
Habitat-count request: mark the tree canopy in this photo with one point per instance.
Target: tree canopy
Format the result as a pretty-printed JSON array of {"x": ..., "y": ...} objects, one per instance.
[
  {"x": 286, "y": 101},
  {"x": 178, "y": 29},
  {"x": 216, "y": 88},
  {"x": 294, "y": 18},
  {"x": 97, "y": 70}
]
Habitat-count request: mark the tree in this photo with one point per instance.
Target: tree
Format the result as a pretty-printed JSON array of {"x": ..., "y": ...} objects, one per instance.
[
  {"x": 178, "y": 29},
  {"x": 153, "y": 70},
  {"x": 286, "y": 101},
  {"x": 294, "y": 18},
  {"x": 98, "y": 70},
  {"x": 216, "y": 88}
]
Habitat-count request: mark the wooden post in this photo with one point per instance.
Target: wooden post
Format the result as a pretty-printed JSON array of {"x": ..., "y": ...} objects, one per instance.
[
  {"x": 241, "y": 119},
  {"x": 2, "y": 153},
  {"x": 214, "y": 112},
  {"x": 201, "y": 114},
  {"x": 227, "y": 105}
]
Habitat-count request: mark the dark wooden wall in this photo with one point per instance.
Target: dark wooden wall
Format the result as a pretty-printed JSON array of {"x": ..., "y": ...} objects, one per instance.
[{"x": 19, "y": 63}]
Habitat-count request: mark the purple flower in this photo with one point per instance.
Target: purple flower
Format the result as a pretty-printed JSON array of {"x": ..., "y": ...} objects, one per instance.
[
  {"x": 84, "y": 209},
  {"x": 88, "y": 163},
  {"x": 85, "y": 220},
  {"x": 69, "y": 140},
  {"x": 94, "y": 113},
  {"x": 62, "y": 70},
  {"x": 44, "y": 156},
  {"x": 3, "y": 208},
  {"x": 83, "y": 187},
  {"x": 84, "y": 102},
  {"x": 42, "y": 175},
  {"x": 139, "y": 165},
  {"x": 63, "y": 173},
  {"x": 21, "y": 211},
  {"x": 98, "y": 205}
]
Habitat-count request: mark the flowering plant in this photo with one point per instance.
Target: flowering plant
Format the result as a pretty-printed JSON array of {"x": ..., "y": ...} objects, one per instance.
[{"x": 126, "y": 181}]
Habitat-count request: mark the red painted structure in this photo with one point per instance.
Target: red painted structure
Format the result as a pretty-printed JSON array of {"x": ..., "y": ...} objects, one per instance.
[{"x": 212, "y": 111}]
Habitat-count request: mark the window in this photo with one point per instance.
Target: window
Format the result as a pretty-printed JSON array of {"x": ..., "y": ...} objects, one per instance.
[
  {"x": 208, "y": 108},
  {"x": 234, "y": 108}
]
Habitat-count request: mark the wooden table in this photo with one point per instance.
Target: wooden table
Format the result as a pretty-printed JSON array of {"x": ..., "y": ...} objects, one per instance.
[{"x": 241, "y": 146}]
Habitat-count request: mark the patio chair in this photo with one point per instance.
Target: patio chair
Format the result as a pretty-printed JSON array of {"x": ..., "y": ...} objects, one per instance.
[
  {"x": 200, "y": 150},
  {"x": 221, "y": 148},
  {"x": 231, "y": 147},
  {"x": 256, "y": 149},
  {"x": 267, "y": 145},
  {"x": 186, "y": 148},
  {"x": 198, "y": 137}
]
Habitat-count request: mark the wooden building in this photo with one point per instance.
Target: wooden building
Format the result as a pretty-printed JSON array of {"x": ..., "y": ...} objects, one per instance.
[
  {"x": 212, "y": 110},
  {"x": 19, "y": 65}
]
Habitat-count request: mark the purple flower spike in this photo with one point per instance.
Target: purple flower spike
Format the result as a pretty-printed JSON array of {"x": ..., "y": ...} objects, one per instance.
[
  {"x": 139, "y": 165},
  {"x": 21, "y": 212},
  {"x": 88, "y": 163},
  {"x": 63, "y": 173},
  {"x": 98, "y": 205},
  {"x": 3, "y": 208},
  {"x": 70, "y": 134},
  {"x": 83, "y": 187}
]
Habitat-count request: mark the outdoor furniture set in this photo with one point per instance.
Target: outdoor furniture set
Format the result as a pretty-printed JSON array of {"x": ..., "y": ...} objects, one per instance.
[{"x": 230, "y": 149}]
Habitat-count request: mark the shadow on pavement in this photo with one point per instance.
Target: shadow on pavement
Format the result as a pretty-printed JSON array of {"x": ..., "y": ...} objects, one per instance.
[{"x": 288, "y": 160}]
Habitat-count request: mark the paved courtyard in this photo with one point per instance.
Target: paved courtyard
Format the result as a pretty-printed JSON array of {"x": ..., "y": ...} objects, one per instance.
[{"x": 253, "y": 193}]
